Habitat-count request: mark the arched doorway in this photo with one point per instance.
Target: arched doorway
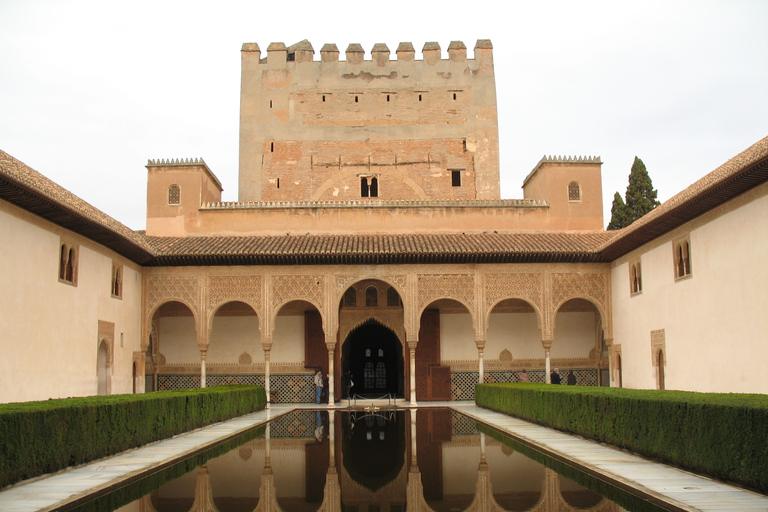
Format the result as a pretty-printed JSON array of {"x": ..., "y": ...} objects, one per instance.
[{"x": 373, "y": 354}]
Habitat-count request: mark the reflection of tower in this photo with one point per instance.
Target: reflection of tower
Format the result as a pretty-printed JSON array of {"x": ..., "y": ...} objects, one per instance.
[
  {"x": 332, "y": 490},
  {"x": 415, "y": 489},
  {"x": 267, "y": 491}
]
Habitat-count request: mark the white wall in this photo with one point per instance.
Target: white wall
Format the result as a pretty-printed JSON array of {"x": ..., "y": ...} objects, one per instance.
[
  {"x": 715, "y": 321},
  {"x": 48, "y": 329},
  {"x": 517, "y": 332}
]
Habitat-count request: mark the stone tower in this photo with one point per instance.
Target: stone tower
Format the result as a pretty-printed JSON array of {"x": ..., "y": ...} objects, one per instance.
[{"x": 357, "y": 129}]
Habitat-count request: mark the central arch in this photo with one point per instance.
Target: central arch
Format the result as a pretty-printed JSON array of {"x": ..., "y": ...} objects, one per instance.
[{"x": 373, "y": 355}]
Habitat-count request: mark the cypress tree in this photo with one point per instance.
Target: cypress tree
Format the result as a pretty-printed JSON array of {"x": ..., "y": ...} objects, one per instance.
[
  {"x": 620, "y": 214},
  {"x": 640, "y": 198}
]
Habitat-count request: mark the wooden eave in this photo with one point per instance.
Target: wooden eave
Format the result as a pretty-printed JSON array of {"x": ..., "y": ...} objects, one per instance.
[{"x": 54, "y": 211}]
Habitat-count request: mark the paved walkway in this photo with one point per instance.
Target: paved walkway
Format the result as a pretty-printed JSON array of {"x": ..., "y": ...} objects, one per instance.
[{"x": 679, "y": 490}]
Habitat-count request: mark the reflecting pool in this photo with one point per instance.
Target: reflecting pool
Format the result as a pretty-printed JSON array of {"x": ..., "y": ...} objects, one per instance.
[{"x": 430, "y": 459}]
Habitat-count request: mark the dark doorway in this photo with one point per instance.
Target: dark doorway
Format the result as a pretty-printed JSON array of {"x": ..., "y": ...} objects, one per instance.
[{"x": 374, "y": 356}]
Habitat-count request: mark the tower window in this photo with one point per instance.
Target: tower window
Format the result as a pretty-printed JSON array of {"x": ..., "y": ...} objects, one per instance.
[
  {"x": 369, "y": 189},
  {"x": 174, "y": 195},
  {"x": 456, "y": 178},
  {"x": 270, "y": 103},
  {"x": 387, "y": 97},
  {"x": 574, "y": 191},
  {"x": 271, "y": 147},
  {"x": 323, "y": 98},
  {"x": 355, "y": 99},
  {"x": 454, "y": 96},
  {"x": 419, "y": 97}
]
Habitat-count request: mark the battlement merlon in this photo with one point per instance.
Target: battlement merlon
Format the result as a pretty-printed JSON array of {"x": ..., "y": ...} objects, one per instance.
[{"x": 278, "y": 54}]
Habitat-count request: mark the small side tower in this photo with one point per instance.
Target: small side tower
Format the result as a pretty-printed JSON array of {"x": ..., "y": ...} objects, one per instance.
[
  {"x": 176, "y": 189},
  {"x": 572, "y": 187}
]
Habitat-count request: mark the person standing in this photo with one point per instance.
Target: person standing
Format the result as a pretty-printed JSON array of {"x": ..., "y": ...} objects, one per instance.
[
  {"x": 318, "y": 386},
  {"x": 554, "y": 377},
  {"x": 523, "y": 376},
  {"x": 571, "y": 378}
]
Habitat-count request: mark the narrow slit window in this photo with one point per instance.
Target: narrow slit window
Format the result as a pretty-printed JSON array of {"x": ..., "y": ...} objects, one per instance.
[
  {"x": 323, "y": 98},
  {"x": 419, "y": 97},
  {"x": 387, "y": 97},
  {"x": 355, "y": 99},
  {"x": 454, "y": 96},
  {"x": 456, "y": 178},
  {"x": 278, "y": 182},
  {"x": 374, "y": 187},
  {"x": 363, "y": 187},
  {"x": 271, "y": 147},
  {"x": 270, "y": 103}
]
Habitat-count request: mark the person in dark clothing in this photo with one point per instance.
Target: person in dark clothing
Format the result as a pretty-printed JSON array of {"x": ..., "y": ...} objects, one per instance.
[
  {"x": 555, "y": 376},
  {"x": 571, "y": 378}
]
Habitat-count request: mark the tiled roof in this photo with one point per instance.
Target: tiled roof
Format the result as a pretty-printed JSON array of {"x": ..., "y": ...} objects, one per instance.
[
  {"x": 739, "y": 174},
  {"x": 380, "y": 249},
  {"x": 28, "y": 189}
]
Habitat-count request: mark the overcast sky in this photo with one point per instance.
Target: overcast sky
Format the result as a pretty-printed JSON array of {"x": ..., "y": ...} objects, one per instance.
[{"x": 90, "y": 90}]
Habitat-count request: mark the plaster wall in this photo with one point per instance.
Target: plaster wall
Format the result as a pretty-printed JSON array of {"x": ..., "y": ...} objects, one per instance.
[
  {"x": 232, "y": 336},
  {"x": 714, "y": 321},
  {"x": 513, "y": 473},
  {"x": 517, "y": 332},
  {"x": 50, "y": 329},
  {"x": 575, "y": 335},
  {"x": 457, "y": 337},
  {"x": 288, "y": 340},
  {"x": 178, "y": 340}
]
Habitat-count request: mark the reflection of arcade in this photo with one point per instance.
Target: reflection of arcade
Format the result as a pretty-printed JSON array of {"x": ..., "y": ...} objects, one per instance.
[{"x": 378, "y": 478}]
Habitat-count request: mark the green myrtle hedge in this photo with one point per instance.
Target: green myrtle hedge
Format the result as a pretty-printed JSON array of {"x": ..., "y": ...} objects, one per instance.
[
  {"x": 42, "y": 437},
  {"x": 721, "y": 435}
]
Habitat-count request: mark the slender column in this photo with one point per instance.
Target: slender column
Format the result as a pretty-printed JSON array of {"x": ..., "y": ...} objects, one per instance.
[
  {"x": 331, "y": 437},
  {"x": 412, "y": 358},
  {"x": 480, "y": 366},
  {"x": 331, "y": 397},
  {"x": 202, "y": 367},
  {"x": 547, "y": 367},
  {"x": 267, "y": 350}
]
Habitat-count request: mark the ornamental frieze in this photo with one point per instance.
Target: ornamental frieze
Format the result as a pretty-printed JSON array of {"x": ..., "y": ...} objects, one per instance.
[
  {"x": 585, "y": 285},
  {"x": 165, "y": 288},
  {"x": 298, "y": 287},
  {"x": 446, "y": 286},
  {"x": 228, "y": 288},
  {"x": 519, "y": 285}
]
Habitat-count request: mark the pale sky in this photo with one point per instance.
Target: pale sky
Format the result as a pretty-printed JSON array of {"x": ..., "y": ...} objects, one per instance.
[{"x": 90, "y": 90}]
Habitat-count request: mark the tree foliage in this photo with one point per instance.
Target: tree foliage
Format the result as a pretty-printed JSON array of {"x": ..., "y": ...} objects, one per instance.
[{"x": 640, "y": 198}]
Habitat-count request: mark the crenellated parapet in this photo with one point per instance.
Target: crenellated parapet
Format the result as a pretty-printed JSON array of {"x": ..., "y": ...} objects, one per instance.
[{"x": 303, "y": 51}]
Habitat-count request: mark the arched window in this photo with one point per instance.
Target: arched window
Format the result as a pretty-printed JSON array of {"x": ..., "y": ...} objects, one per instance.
[
  {"x": 174, "y": 195},
  {"x": 682, "y": 254},
  {"x": 635, "y": 278},
  {"x": 117, "y": 281},
  {"x": 363, "y": 187},
  {"x": 68, "y": 264},
  {"x": 371, "y": 297},
  {"x": 574, "y": 191},
  {"x": 381, "y": 375},
  {"x": 374, "y": 187},
  {"x": 369, "y": 377},
  {"x": 350, "y": 297},
  {"x": 393, "y": 298}
]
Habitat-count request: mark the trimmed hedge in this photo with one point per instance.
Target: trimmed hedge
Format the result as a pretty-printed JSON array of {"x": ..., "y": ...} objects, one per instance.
[
  {"x": 42, "y": 437},
  {"x": 724, "y": 436}
]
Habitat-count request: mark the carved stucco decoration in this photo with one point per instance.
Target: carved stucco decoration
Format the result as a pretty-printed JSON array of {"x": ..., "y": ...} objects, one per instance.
[
  {"x": 298, "y": 287},
  {"x": 573, "y": 285},
  {"x": 446, "y": 286},
  {"x": 165, "y": 288},
  {"x": 222, "y": 289},
  {"x": 506, "y": 286}
]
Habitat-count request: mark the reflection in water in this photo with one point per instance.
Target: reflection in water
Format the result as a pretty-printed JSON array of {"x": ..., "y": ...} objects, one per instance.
[{"x": 430, "y": 460}]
